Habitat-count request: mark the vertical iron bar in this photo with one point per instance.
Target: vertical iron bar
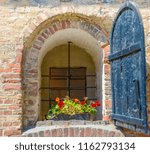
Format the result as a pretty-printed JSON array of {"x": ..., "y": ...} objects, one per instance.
[
  {"x": 68, "y": 92},
  {"x": 85, "y": 85},
  {"x": 49, "y": 88}
]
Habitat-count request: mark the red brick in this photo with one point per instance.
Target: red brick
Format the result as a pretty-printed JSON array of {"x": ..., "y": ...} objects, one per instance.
[
  {"x": 12, "y": 132},
  {"x": 14, "y": 107},
  {"x": 93, "y": 132},
  {"x": 16, "y": 124},
  {"x": 8, "y": 101},
  {"x": 41, "y": 39},
  {"x": 71, "y": 132},
  {"x": 107, "y": 48},
  {"x": 55, "y": 28},
  {"x": 1, "y": 112},
  {"x": 68, "y": 24},
  {"x": 87, "y": 132},
  {"x": 108, "y": 104},
  {"x": 107, "y": 68},
  {"x": 66, "y": 132},
  {"x": 6, "y": 124},
  {"x": 1, "y": 101},
  {"x": 105, "y": 133},
  {"x": 106, "y": 117},
  {"x": 11, "y": 81},
  {"x": 81, "y": 132},
  {"x": 51, "y": 30},
  {"x": 7, "y": 112},
  {"x": 47, "y": 32},
  {"x": 47, "y": 133},
  {"x": 5, "y": 70},
  {"x": 63, "y": 24},
  {"x": 15, "y": 70},
  {"x": 11, "y": 76},
  {"x": 36, "y": 47},
  {"x": 12, "y": 65},
  {"x": 54, "y": 132},
  {"x": 60, "y": 133},
  {"x": 77, "y": 132},
  {"x": 2, "y": 108},
  {"x": 1, "y": 132},
  {"x": 44, "y": 35},
  {"x": 99, "y": 132},
  {"x": 111, "y": 134},
  {"x": 12, "y": 87},
  {"x": 18, "y": 58},
  {"x": 59, "y": 26}
]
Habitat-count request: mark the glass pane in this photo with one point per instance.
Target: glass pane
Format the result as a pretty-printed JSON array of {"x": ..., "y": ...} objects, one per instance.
[
  {"x": 58, "y": 83},
  {"x": 91, "y": 81},
  {"x": 78, "y": 71},
  {"x": 77, "y": 83},
  {"x": 80, "y": 94},
  {"x": 58, "y": 71},
  {"x": 91, "y": 93},
  {"x": 58, "y": 93}
]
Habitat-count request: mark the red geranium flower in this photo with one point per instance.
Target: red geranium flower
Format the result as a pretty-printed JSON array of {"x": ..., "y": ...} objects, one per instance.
[
  {"x": 93, "y": 105},
  {"x": 61, "y": 104},
  {"x": 98, "y": 103},
  {"x": 82, "y": 103}
]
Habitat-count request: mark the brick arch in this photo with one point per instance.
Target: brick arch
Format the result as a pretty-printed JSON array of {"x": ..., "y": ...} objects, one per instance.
[
  {"x": 43, "y": 18},
  {"x": 93, "y": 30},
  {"x": 31, "y": 60}
]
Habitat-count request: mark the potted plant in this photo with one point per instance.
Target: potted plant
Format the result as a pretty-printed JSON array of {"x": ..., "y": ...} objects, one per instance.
[{"x": 67, "y": 109}]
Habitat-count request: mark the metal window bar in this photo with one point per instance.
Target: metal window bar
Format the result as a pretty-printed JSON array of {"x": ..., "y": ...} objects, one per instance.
[{"x": 67, "y": 77}]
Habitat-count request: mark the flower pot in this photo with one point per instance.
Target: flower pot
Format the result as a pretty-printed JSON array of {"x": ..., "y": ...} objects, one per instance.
[{"x": 84, "y": 116}]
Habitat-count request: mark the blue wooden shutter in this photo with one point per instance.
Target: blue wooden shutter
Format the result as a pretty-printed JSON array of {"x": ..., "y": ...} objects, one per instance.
[{"x": 128, "y": 69}]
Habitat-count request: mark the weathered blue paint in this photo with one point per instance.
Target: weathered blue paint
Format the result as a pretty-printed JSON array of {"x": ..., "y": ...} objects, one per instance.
[{"x": 128, "y": 67}]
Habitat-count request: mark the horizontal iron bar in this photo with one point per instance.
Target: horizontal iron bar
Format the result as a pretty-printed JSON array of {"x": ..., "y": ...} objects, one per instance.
[
  {"x": 61, "y": 76},
  {"x": 132, "y": 49},
  {"x": 67, "y": 79},
  {"x": 63, "y": 88},
  {"x": 80, "y": 100},
  {"x": 130, "y": 120}
]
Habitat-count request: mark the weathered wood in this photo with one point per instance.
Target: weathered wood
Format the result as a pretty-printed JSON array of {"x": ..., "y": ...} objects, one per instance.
[{"x": 128, "y": 69}]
